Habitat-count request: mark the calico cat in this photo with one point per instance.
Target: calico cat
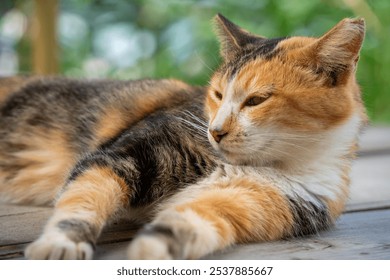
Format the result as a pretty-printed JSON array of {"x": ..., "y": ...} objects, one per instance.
[{"x": 268, "y": 157}]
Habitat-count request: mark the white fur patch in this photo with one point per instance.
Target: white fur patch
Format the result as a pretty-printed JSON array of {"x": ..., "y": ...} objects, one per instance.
[
  {"x": 55, "y": 245},
  {"x": 204, "y": 240},
  {"x": 149, "y": 247},
  {"x": 227, "y": 108},
  {"x": 318, "y": 173},
  {"x": 207, "y": 238}
]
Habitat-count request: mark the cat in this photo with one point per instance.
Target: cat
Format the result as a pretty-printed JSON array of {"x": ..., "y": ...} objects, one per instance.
[{"x": 262, "y": 153}]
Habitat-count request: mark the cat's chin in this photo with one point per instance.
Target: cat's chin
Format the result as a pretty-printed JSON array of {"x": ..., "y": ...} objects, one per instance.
[
  {"x": 228, "y": 156},
  {"x": 239, "y": 155},
  {"x": 247, "y": 160},
  {"x": 237, "y": 158}
]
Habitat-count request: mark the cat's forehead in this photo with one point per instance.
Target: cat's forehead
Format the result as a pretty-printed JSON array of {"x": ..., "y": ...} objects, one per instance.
[
  {"x": 271, "y": 64},
  {"x": 264, "y": 50}
]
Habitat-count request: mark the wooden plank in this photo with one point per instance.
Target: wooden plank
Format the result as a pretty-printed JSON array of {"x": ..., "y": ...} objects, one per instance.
[
  {"x": 19, "y": 226},
  {"x": 370, "y": 181},
  {"x": 9, "y": 209},
  {"x": 370, "y": 176},
  {"x": 118, "y": 232},
  {"x": 363, "y": 235},
  {"x": 375, "y": 140},
  {"x": 367, "y": 206},
  {"x": 22, "y": 227},
  {"x": 12, "y": 252}
]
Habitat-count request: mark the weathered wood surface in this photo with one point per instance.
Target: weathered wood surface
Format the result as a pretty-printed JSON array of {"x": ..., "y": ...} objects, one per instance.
[
  {"x": 361, "y": 235},
  {"x": 370, "y": 180},
  {"x": 375, "y": 141},
  {"x": 363, "y": 232},
  {"x": 370, "y": 175}
]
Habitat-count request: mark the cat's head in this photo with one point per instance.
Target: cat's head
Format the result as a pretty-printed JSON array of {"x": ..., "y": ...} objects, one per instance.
[{"x": 272, "y": 99}]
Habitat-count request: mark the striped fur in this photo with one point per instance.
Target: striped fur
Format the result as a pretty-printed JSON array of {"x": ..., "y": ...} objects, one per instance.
[{"x": 268, "y": 158}]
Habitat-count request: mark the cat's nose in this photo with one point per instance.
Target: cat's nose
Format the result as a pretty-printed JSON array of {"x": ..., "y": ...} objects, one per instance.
[{"x": 218, "y": 134}]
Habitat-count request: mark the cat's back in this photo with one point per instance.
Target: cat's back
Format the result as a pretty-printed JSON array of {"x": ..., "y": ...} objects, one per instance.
[
  {"x": 48, "y": 124},
  {"x": 98, "y": 108},
  {"x": 75, "y": 94}
]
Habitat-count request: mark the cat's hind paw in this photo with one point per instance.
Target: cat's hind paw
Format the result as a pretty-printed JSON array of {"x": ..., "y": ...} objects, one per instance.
[{"x": 57, "y": 246}]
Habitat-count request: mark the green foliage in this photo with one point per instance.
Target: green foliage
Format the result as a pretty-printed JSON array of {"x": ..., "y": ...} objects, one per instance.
[{"x": 174, "y": 38}]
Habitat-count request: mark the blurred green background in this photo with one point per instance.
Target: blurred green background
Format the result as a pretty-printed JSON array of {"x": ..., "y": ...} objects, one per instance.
[{"x": 130, "y": 39}]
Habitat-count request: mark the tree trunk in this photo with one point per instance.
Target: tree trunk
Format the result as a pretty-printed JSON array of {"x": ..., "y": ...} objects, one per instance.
[{"x": 44, "y": 33}]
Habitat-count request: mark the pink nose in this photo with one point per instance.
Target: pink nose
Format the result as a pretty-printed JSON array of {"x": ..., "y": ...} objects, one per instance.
[{"x": 218, "y": 134}]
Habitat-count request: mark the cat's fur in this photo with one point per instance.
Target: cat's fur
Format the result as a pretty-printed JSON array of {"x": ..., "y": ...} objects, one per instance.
[{"x": 283, "y": 116}]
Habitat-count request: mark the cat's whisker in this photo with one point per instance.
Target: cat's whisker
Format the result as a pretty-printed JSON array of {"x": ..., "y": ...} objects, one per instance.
[
  {"x": 286, "y": 136},
  {"x": 270, "y": 152},
  {"x": 192, "y": 125},
  {"x": 284, "y": 142},
  {"x": 191, "y": 115},
  {"x": 284, "y": 139}
]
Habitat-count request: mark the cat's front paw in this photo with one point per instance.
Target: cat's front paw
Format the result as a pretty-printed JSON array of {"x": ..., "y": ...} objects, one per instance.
[{"x": 57, "y": 246}]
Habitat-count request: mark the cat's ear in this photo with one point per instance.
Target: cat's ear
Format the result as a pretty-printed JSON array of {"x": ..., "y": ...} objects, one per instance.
[
  {"x": 232, "y": 38},
  {"x": 339, "y": 48}
]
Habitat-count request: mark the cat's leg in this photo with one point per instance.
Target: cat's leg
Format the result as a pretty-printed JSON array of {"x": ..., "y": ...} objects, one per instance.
[
  {"x": 203, "y": 219},
  {"x": 206, "y": 218},
  {"x": 81, "y": 212}
]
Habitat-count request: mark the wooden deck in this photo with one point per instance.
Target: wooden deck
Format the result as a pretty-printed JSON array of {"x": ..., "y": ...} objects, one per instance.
[{"x": 363, "y": 231}]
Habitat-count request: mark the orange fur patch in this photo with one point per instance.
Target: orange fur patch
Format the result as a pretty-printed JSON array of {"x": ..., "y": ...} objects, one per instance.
[
  {"x": 128, "y": 109},
  {"x": 313, "y": 106},
  {"x": 99, "y": 191},
  {"x": 45, "y": 162}
]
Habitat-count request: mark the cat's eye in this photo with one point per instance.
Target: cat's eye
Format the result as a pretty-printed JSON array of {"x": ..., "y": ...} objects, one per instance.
[
  {"x": 218, "y": 95},
  {"x": 256, "y": 100}
]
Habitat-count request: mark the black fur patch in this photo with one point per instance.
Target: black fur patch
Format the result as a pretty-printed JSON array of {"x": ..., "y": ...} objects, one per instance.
[
  {"x": 265, "y": 49},
  {"x": 308, "y": 217},
  {"x": 79, "y": 230}
]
